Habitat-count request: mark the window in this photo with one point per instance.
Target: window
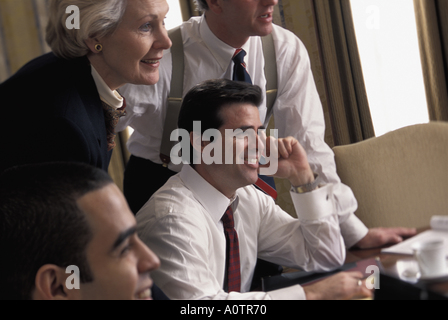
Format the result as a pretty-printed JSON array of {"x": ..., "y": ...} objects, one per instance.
[
  {"x": 386, "y": 32},
  {"x": 174, "y": 16}
]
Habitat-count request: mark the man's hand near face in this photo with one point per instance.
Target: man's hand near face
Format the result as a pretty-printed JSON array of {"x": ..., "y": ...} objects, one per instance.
[{"x": 292, "y": 160}]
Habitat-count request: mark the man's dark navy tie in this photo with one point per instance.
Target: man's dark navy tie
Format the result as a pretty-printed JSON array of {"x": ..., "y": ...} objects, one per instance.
[
  {"x": 264, "y": 183},
  {"x": 239, "y": 69}
]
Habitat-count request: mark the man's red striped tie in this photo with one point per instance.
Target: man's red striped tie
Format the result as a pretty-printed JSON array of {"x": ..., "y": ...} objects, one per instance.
[{"x": 233, "y": 269}]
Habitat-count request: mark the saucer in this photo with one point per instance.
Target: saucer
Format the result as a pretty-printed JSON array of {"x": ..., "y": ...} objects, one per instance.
[{"x": 409, "y": 271}]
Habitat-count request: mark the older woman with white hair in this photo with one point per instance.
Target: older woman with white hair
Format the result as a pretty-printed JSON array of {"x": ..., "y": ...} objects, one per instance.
[{"x": 64, "y": 105}]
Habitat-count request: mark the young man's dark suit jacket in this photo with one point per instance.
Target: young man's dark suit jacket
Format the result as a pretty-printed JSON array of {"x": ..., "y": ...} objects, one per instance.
[{"x": 51, "y": 111}]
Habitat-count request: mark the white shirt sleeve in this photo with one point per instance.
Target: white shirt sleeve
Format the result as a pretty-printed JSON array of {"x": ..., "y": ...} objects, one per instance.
[{"x": 312, "y": 242}]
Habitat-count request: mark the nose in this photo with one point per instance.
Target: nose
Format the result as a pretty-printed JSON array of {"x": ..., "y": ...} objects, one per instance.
[
  {"x": 147, "y": 260},
  {"x": 163, "y": 41},
  {"x": 270, "y": 2},
  {"x": 261, "y": 141}
]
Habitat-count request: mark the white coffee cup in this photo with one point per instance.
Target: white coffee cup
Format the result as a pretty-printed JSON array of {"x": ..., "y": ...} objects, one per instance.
[{"x": 430, "y": 256}]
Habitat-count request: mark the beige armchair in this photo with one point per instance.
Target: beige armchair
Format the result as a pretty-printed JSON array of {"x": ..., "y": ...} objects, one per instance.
[{"x": 400, "y": 178}]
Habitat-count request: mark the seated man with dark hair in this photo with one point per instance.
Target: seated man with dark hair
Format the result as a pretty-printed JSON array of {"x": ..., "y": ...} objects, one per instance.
[
  {"x": 66, "y": 232},
  {"x": 209, "y": 224}
]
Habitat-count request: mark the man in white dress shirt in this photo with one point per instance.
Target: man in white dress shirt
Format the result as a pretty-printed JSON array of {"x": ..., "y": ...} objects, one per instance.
[
  {"x": 182, "y": 221},
  {"x": 209, "y": 43}
]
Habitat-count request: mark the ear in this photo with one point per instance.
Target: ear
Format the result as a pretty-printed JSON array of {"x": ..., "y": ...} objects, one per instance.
[
  {"x": 197, "y": 143},
  {"x": 91, "y": 42},
  {"x": 215, "y": 6},
  {"x": 50, "y": 284}
]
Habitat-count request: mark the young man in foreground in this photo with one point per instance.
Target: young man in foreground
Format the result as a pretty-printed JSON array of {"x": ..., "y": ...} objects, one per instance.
[{"x": 67, "y": 233}]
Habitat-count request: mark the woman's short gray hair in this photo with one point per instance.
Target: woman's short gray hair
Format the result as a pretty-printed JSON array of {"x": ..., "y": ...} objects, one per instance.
[{"x": 97, "y": 18}]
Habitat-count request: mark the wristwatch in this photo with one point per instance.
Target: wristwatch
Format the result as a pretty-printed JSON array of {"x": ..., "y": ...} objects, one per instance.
[{"x": 307, "y": 187}]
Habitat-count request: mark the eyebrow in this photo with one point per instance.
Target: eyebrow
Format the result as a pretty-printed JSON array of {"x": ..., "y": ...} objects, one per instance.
[
  {"x": 150, "y": 15},
  {"x": 244, "y": 128},
  {"x": 123, "y": 236}
]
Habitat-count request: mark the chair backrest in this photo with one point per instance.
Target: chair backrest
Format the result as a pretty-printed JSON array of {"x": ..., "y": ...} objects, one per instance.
[{"x": 400, "y": 178}]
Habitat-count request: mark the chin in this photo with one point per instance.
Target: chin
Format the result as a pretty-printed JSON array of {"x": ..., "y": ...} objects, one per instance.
[
  {"x": 146, "y": 79},
  {"x": 151, "y": 81},
  {"x": 251, "y": 179},
  {"x": 264, "y": 31}
]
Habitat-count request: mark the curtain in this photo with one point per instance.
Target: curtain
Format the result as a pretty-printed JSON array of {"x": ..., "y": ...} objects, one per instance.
[
  {"x": 22, "y": 33},
  {"x": 347, "y": 97},
  {"x": 326, "y": 28},
  {"x": 188, "y": 9},
  {"x": 432, "y": 27}
]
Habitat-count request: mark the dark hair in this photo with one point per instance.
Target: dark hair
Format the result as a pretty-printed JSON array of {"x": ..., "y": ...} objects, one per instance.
[
  {"x": 205, "y": 101},
  {"x": 41, "y": 223},
  {"x": 202, "y": 5}
]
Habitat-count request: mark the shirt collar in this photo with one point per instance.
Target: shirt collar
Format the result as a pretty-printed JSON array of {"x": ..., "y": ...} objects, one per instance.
[
  {"x": 112, "y": 98},
  {"x": 222, "y": 52},
  {"x": 211, "y": 199}
]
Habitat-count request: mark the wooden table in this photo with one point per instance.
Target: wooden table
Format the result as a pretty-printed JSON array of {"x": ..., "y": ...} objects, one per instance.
[
  {"x": 389, "y": 263},
  {"x": 360, "y": 259}
]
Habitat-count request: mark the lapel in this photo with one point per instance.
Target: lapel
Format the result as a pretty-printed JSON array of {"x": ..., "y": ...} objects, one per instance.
[{"x": 92, "y": 105}]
